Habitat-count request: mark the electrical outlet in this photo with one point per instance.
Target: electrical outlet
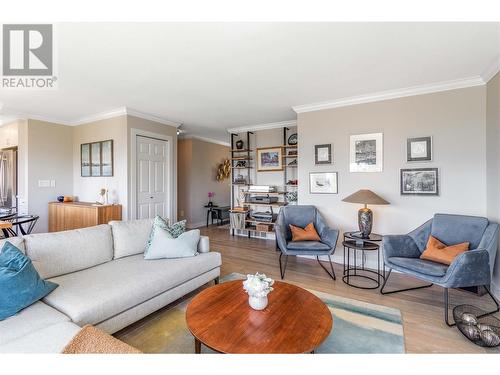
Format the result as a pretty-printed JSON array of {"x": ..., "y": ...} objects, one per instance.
[{"x": 43, "y": 183}]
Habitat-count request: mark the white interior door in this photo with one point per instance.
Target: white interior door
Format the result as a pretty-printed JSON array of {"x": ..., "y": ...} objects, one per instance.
[{"x": 152, "y": 177}]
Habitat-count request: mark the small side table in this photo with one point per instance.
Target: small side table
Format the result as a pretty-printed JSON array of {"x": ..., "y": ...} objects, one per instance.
[
  {"x": 352, "y": 244},
  {"x": 210, "y": 211}
]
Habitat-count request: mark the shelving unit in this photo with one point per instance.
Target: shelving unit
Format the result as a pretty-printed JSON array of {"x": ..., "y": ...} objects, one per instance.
[{"x": 247, "y": 225}]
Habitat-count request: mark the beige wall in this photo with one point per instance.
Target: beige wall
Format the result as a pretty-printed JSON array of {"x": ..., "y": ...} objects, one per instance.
[
  {"x": 9, "y": 134},
  {"x": 455, "y": 120},
  {"x": 199, "y": 161},
  {"x": 49, "y": 157},
  {"x": 493, "y": 162},
  {"x": 86, "y": 189},
  {"x": 184, "y": 162}
]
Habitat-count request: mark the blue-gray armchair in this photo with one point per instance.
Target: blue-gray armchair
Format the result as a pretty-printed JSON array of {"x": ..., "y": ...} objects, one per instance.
[
  {"x": 300, "y": 216},
  {"x": 472, "y": 268}
]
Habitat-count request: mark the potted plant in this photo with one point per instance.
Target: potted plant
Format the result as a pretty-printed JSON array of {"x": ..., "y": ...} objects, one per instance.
[{"x": 258, "y": 286}]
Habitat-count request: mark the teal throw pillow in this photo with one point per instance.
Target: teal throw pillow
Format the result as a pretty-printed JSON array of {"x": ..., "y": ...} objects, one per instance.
[{"x": 20, "y": 283}]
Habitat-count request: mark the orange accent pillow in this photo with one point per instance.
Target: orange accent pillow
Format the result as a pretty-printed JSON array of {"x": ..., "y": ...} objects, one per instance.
[
  {"x": 437, "y": 251},
  {"x": 306, "y": 234}
]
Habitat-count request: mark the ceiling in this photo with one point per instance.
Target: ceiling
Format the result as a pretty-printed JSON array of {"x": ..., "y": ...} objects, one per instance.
[{"x": 215, "y": 76}]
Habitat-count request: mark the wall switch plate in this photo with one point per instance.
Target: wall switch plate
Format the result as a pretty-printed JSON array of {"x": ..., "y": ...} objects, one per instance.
[
  {"x": 43, "y": 183},
  {"x": 52, "y": 183}
]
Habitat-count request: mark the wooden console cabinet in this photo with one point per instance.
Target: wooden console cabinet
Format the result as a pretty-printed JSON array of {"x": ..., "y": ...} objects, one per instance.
[{"x": 74, "y": 215}]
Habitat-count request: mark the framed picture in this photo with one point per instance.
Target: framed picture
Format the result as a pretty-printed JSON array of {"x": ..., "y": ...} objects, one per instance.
[
  {"x": 323, "y": 154},
  {"x": 366, "y": 153},
  {"x": 97, "y": 159},
  {"x": 419, "y": 149},
  {"x": 269, "y": 159},
  {"x": 420, "y": 181},
  {"x": 323, "y": 183},
  {"x": 85, "y": 155}
]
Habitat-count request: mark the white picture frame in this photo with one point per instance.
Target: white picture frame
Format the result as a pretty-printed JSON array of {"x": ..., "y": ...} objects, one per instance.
[
  {"x": 366, "y": 152},
  {"x": 323, "y": 183}
]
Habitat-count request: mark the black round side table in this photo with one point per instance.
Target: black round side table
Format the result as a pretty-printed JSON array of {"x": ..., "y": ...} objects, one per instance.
[{"x": 352, "y": 244}]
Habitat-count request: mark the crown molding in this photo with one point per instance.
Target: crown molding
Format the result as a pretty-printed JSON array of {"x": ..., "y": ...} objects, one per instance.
[
  {"x": 147, "y": 116},
  {"x": 269, "y": 125},
  {"x": 206, "y": 139},
  {"x": 392, "y": 94},
  {"x": 122, "y": 111},
  {"x": 491, "y": 70}
]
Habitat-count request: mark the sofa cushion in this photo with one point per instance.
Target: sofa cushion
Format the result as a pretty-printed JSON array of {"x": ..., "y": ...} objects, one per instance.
[
  {"x": 16, "y": 241},
  {"x": 130, "y": 237},
  {"x": 93, "y": 295},
  {"x": 60, "y": 253},
  {"x": 51, "y": 339},
  {"x": 20, "y": 284},
  {"x": 425, "y": 267},
  {"x": 32, "y": 318},
  {"x": 454, "y": 229}
]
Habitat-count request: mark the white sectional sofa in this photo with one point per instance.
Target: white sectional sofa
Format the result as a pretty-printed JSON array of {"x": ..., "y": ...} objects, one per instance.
[{"x": 103, "y": 280}]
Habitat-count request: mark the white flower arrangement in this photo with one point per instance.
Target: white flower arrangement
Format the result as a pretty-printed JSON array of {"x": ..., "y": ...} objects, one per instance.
[{"x": 258, "y": 285}]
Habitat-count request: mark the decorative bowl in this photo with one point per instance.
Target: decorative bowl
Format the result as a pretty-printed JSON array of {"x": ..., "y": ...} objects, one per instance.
[{"x": 483, "y": 331}]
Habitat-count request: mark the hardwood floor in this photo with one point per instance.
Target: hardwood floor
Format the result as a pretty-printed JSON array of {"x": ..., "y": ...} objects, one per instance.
[{"x": 422, "y": 310}]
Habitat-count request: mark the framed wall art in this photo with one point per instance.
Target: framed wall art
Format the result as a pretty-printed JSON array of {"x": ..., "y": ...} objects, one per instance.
[
  {"x": 269, "y": 159},
  {"x": 323, "y": 182},
  {"x": 97, "y": 159},
  {"x": 366, "y": 153},
  {"x": 419, "y": 149},
  {"x": 323, "y": 154},
  {"x": 420, "y": 181}
]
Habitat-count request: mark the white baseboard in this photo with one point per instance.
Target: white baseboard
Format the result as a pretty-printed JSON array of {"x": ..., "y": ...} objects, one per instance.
[{"x": 196, "y": 225}]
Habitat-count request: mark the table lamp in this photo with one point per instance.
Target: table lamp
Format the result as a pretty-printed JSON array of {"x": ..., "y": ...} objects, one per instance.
[{"x": 365, "y": 215}]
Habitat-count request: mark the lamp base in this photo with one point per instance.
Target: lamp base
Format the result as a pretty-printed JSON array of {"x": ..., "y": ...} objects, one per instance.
[{"x": 365, "y": 222}]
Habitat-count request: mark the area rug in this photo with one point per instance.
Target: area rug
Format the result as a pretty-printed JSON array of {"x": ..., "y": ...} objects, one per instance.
[{"x": 358, "y": 327}]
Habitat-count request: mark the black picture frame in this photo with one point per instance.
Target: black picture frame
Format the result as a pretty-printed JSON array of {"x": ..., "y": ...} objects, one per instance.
[
  {"x": 420, "y": 187},
  {"x": 428, "y": 145},
  {"x": 97, "y": 159},
  {"x": 316, "y": 150}
]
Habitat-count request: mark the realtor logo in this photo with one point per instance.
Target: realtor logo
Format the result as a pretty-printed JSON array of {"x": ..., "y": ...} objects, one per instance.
[{"x": 28, "y": 56}]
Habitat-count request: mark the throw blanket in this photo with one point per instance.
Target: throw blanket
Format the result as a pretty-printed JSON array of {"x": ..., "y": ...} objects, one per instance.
[{"x": 91, "y": 340}]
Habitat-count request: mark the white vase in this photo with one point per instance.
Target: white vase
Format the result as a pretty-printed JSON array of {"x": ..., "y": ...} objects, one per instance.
[{"x": 257, "y": 303}]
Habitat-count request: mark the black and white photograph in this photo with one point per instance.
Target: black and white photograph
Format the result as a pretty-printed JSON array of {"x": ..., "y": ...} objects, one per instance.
[
  {"x": 420, "y": 181},
  {"x": 419, "y": 149},
  {"x": 366, "y": 152},
  {"x": 323, "y": 183},
  {"x": 323, "y": 154}
]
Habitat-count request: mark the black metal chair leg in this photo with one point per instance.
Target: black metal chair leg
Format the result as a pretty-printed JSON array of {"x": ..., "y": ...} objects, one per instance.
[
  {"x": 446, "y": 306},
  {"x": 399, "y": 290},
  {"x": 283, "y": 269},
  {"x": 332, "y": 274}
]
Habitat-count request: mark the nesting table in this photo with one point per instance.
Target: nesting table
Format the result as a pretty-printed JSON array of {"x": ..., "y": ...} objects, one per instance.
[{"x": 354, "y": 270}]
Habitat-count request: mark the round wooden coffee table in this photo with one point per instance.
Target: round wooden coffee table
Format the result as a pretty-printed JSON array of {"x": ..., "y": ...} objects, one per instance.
[{"x": 295, "y": 320}]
